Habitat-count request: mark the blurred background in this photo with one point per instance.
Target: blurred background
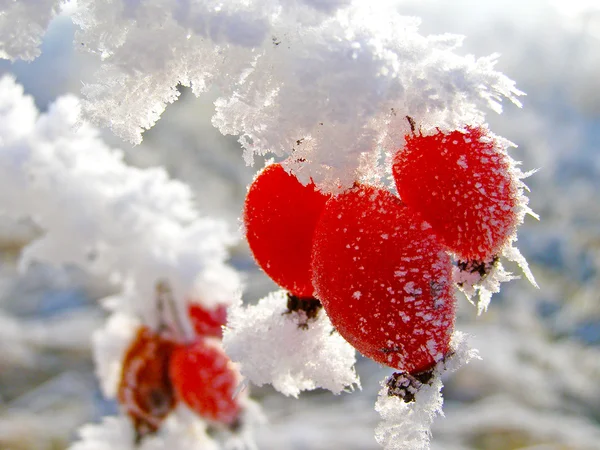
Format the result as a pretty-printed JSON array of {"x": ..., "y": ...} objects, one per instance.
[{"x": 538, "y": 384}]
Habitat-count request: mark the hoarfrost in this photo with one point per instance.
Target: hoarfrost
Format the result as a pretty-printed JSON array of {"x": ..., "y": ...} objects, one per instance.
[
  {"x": 472, "y": 284},
  {"x": 272, "y": 346},
  {"x": 338, "y": 77},
  {"x": 22, "y": 25},
  {"x": 407, "y": 426}
]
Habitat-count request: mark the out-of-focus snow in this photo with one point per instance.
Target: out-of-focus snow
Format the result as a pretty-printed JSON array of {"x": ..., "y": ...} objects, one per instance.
[
  {"x": 180, "y": 430},
  {"x": 273, "y": 346},
  {"x": 132, "y": 227},
  {"x": 110, "y": 346},
  {"x": 22, "y": 25},
  {"x": 135, "y": 226}
]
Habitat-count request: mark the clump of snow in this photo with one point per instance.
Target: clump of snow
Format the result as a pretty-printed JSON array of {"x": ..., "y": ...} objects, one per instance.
[
  {"x": 330, "y": 83},
  {"x": 134, "y": 226},
  {"x": 180, "y": 430},
  {"x": 22, "y": 25},
  {"x": 472, "y": 284},
  {"x": 272, "y": 346},
  {"x": 407, "y": 426}
]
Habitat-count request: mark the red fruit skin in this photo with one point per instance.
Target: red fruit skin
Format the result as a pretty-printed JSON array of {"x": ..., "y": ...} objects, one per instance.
[
  {"x": 280, "y": 215},
  {"x": 205, "y": 379},
  {"x": 145, "y": 391},
  {"x": 208, "y": 322},
  {"x": 460, "y": 184},
  {"x": 384, "y": 279}
]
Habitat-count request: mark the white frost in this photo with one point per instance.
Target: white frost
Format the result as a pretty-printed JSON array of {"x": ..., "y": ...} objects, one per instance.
[
  {"x": 272, "y": 347},
  {"x": 22, "y": 25},
  {"x": 407, "y": 426},
  {"x": 329, "y": 82},
  {"x": 472, "y": 284}
]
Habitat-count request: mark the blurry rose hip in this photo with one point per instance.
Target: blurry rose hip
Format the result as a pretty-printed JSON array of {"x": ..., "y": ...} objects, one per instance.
[
  {"x": 384, "y": 279},
  {"x": 461, "y": 183},
  {"x": 145, "y": 391},
  {"x": 280, "y": 215},
  {"x": 208, "y": 321},
  {"x": 206, "y": 380}
]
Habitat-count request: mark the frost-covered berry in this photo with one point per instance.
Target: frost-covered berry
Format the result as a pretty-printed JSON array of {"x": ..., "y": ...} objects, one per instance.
[
  {"x": 280, "y": 215},
  {"x": 145, "y": 391},
  {"x": 208, "y": 322},
  {"x": 384, "y": 279},
  {"x": 462, "y": 184},
  {"x": 206, "y": 380}
]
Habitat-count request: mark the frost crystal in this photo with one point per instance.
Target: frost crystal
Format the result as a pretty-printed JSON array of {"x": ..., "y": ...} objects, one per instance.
[
  {"x": 407, "y": 425},
  {"x": 472, "y": 284},
  {"x": 330, "y": 84},
  {"x": 272, "y": 346},
  {"x": 22, "y": 25}
]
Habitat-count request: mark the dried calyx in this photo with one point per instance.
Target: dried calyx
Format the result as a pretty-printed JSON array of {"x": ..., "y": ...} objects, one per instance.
[
  {"x": 308, "y": 307},
  {"x": 405, "y": 386}
]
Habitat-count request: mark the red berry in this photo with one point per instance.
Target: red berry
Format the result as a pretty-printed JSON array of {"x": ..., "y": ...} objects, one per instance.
[
  {"x": 208, "y": 322},
  {"x": 280, "y": 215},
  {"x": 384, "y": 279},
  {"x": 206, "y": 380},
  {"x": 145, "y": 391},
  {"x": 461, "y": 184}
]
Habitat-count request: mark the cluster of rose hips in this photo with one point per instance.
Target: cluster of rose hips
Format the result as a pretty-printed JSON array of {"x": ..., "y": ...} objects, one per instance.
[
  {"x": 382, "y": 264},
  {"x": 161, "y": 368}
]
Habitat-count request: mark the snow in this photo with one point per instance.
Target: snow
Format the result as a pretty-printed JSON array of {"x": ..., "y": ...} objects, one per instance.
[
  {"x": 286, "y": 74},
  {"x": 110, "y": 346},
  {"x": 473, "y": 284},
  {"x": 407, "y": 426},
  {"x": 558, "y": 380},
  {"x": 22, "y": 25},
  {"x": 180, "y": 430},
  {"x": 273, "y": 347},
  {"x": 135, "y": 226}
]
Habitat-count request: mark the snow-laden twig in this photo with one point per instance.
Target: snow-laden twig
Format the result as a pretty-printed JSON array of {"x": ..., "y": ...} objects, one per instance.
[
  {"x": 327, "y": 82},
  {"x": 407, "y": 425}
]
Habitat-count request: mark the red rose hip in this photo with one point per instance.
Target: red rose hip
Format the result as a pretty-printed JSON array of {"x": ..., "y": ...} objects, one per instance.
[
  {"x": 206, "y": 380},
  {"x": 280, "y": 215},
  {"x": 461, "y": 184},
  {"x": 384, "y": 279},
  {"x": 145, "y": 391},
  {"x": 208, "y": 321}
]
